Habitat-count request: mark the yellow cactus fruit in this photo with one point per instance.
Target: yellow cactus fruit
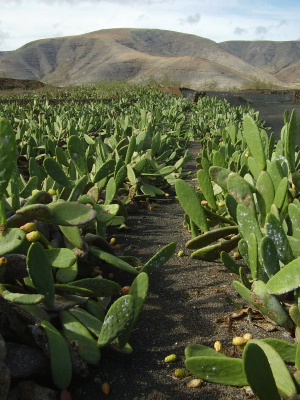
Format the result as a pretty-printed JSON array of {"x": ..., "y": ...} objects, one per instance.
[
  {"x": 171, "y": 358},
  {"x": 218, "y": 346},
  {"x": 221, "y": 204},
  {"x": 113, "y": 241},
  {"x": 34, "y": 191},
  {"x": 105, "y": 388},
  {"x": 3, "y": 261},
  {"x": 236, "y": 254},
  {"x": 33, "y": 236},
  {"x": 247, "y": 154},
  {"x": 29, "y": 227},
  {"x": 180, "y": 253},
  {"x": 167, "y": 194},
  {"x": 52, "y": 192},
  {"x": 247, "y": 336},
  {"x": 238, "y": 341}
]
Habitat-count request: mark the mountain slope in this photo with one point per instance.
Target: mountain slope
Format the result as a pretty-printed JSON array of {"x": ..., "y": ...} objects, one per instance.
[{"x": 141, "y": 54}]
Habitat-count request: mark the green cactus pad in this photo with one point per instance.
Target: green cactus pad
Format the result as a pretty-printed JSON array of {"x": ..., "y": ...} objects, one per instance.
[
  {"x": 71, "y": 213},
  {"x": 294, "y": 214},
  {"x": 254, "y": 141},
  {"x": 139, "y": 291},
  {"x": 240, "y": 190},
  {"x": 73, "y": 235},
  {"x": 229, "y": 263},
  {"x": 211, "y": 253},
  {"x": 73, "y": 330},
  {"x": 286, "y": 350},
  {"x": 294, "y": 313},
  {"x": 286, "y": 280},
  {"x": 105, "y": 170},
  {"x": 190, "y": 203},
  {"x": 20, "y": 298},
  {"x": 106, "y": 212},
  {"x": 8, "y": 153},
  {"x": 253, "y": 256},
  {"x": 199, "y": 350},
  {"x": 118, "y": 319},
  {"x": 291, "y": 140},
  {"x": 160, "y": 258},
  {"x": 99, "y": 287},
  {"x": 96, "y": 309},
  {"x": 207, "y": 188},
  {"x": 78, "y": 189},
  {"x": 92, "y": 323},
  {"x": 60, "y": 257},
  {"x": 281, "y": 193},
  {"x": 77, "y": 154},
  {"x": 40, "y": 272},
  {"x": 267, "y": 304},
  {"x": 67, "y": 289},
  {"x": 60, "y": 360},
  {"x": 67, "y": 275},
  {"x": 265, "y": 194},
  {"x": 219, "y": 176},
  {"x": 113, "y": 260},
  {"x": 269, "y": 256},
  {"x": 276, "y": 172},
  {"x": 40, "y": 212},
  {"x": 54, "y": 170},
  {"x": 224, "y": 370},
  {"x": 275, "y": 231},
  {"x": 209, "y": 237},
  {"x": 259, "y": 373},
  {"x": 282, "y": 376},
  {"x": 12, "y": 239},
  {"x": 248, "y": 223}
]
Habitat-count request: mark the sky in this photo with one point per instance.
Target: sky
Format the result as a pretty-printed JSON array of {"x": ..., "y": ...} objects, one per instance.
[{"x": 23, "y": 21}]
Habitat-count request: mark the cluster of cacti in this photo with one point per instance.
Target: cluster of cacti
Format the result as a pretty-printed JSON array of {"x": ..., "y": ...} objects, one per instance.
[
  {"x": 247, "y": 198},
  {"x": 262, "y": 367},
  {"x": 58, "y": 277}
]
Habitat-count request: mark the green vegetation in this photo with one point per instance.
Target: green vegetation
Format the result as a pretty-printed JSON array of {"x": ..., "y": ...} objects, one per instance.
[{"x": 71, "y": 163}]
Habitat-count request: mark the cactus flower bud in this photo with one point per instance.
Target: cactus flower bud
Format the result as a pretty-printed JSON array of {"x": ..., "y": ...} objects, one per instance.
[
  {"x": 180, "y": 253},
  {"x": 33, "y": 236},
  {"x": 29, "y": 227},
  {"x": 52, "y": 192}
]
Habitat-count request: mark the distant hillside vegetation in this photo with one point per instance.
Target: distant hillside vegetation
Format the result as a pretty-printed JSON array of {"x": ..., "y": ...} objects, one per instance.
[{"x": 139, "y": 55}]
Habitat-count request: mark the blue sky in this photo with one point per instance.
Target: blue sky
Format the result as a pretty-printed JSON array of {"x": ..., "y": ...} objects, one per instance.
[{"x": 22, "y": 21}]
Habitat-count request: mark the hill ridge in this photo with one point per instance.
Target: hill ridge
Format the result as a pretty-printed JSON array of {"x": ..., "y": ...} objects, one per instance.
[{"x": 139, "y": 54}]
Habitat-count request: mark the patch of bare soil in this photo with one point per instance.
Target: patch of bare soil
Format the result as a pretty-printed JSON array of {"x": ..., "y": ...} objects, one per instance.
[{"x": 187, "y": 304}]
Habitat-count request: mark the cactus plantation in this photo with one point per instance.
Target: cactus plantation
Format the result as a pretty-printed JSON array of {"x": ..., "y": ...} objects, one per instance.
[{"x": 70, "y": 174}]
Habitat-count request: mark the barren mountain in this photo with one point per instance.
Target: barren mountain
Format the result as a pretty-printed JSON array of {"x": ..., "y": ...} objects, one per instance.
[{"x": 141, "y": 54}]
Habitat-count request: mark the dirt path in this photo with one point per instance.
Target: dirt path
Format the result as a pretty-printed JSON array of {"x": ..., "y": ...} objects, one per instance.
[{"x": 186, "y": 304}]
